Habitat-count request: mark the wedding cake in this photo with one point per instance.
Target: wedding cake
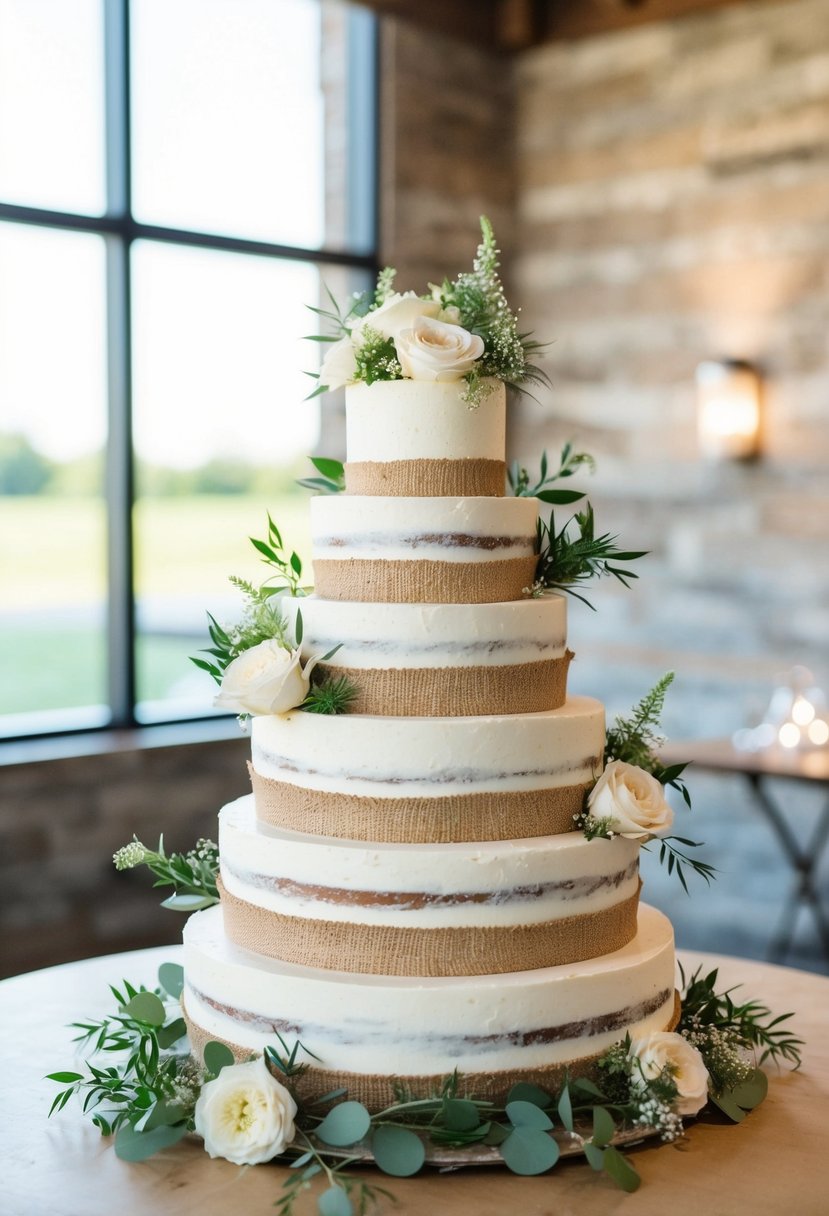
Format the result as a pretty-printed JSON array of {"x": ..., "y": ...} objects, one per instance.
[{"x": 405, "y": 891}]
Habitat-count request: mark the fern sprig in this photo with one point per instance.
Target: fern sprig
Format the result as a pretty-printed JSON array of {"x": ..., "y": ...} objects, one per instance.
[{"x": 566, "y": 561}]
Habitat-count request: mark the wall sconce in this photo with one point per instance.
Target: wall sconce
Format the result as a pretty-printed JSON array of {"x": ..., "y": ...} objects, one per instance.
[{"x": 728, "y": 409}]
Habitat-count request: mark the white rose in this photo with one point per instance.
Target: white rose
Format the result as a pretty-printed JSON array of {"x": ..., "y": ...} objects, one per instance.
[
  {"x": 245, "y": 1115},
  {"x": 632, "y": 800},
  {"x": 436, "y": 350},
  {"x": 339, "y": 365},
  {"x": 661, "y": 1048},
  {"x": 397, "y": 313},
  {"x": 267, "y": 679}
]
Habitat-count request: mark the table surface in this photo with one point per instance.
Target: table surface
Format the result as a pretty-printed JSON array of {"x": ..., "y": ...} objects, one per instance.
[
  {"x": 720, "y": 755},
  {"x": 775, "y": 1162}
]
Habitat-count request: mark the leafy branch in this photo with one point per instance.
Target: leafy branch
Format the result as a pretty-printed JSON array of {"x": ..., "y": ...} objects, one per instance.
[
  {"x": 192, "y": 875},
  {"x": 753, "y": 1022},
  {"x": 676, "y": 859},
  {"x": 566, "y": 561},
  {"x": 287, "y": 567},
  {"x": 519, "y": 479},
  {"x": 636, "y": 739}
]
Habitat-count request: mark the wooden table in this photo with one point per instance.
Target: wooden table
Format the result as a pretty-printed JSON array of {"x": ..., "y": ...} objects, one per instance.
[
  {"x": 760, "y": 770},
  {"x": 775, "y": 1162}
]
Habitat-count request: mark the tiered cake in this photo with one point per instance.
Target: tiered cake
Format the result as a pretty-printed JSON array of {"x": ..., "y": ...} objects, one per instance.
[{"x": 403, "y": 891}]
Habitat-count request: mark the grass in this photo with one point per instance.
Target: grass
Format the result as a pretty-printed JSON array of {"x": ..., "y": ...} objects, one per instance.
[{"x": 53, "y": 559}]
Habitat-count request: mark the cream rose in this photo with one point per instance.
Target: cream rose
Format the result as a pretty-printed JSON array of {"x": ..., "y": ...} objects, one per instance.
[
  {"x": 632, "y": 800},
  {"x": 339, "y": 365},
  {"x": 245, "y": 1115},
  {"x": 267, "y": 679},
  {"x": 436, "y": 350},
  {"x": 661, "y": 1048},
  {"x": 397, "y": 313}
]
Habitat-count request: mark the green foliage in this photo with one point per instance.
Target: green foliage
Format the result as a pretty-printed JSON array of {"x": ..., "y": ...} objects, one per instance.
[
  {"x": 332, "y": 479},
  {"x": 332, "y": 695},
  {"x": 569, "y": 461},
  {"x": 287, "y": 567},
  {"x": 376, "y": 358},
  {"x": 704, "y": 1009},
  {"x": 566, "y": 560},
  {"x": 636, "y": 739},
  {"x": 192, "y": 875},
  {"x": 675, "y": 859},
  {"x": 148, "y": 1094}
]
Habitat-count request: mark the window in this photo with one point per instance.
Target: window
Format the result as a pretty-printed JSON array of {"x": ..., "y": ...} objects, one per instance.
[{"x": 178, "y": 178}]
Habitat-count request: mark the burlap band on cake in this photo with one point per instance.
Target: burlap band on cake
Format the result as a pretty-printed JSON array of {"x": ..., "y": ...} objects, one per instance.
[
  {"x": 371, "y": 949},
  {"x": 377, "y": 1091},
  {"x": 377, "y": 581},
  {"x": 447, "y": 819},
  {"x": 426, "y": 478},
  {"x": 438, "y": 692}
]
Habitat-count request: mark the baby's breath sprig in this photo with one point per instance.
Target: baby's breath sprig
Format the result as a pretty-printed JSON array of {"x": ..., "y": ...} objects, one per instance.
[{"x": 192, "y": 875}]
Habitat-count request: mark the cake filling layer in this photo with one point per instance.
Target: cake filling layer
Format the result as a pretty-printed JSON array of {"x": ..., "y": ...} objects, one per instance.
[
  {"x": 479, "y": 1024},
  {"x": 393, "y": 758},
  {"x": 453, "y": 817}
]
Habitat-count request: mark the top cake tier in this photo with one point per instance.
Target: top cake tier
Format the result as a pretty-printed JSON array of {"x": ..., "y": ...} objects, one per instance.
[{"x": 416, "y": 438}]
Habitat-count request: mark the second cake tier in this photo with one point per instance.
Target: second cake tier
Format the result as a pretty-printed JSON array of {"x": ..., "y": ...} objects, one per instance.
[{"x": 424, "y": 909}]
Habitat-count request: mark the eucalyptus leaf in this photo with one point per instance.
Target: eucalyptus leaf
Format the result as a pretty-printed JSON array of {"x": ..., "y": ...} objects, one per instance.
[
  {"x": 565, "y": 1108},
  {"x": 397, "y": 1150},
  {"x": 164, "y": 1114},
  {"x": 524, "y": 1092},
  {"x": 344, "y": 1124},
  {"x": 217, "y": 1056},
  {"x": 528, "y": 1150},
  {"x": 752, "y": 1091},
  {"x": 334, "y": 1202},
  {"x": 728, "y": 1106},
  {"x": 298, "y": 1162},
  {"x": 171, "y": 978},
  {"x": 146, "y": 1008},
  {"x": 460, "y": 1115},
  {"x": 188, "y": 903},
  {"x": 594, "y": 1155},
  {"x": 527, "y": 1114},
  {"x": 131, "y": 1145},
  {"x": 603, "y": 1126},
  {"x": 620, "y": 1170},
  {"x": 171, "y": 1033},
  {"x": 497, "y": 1134}
]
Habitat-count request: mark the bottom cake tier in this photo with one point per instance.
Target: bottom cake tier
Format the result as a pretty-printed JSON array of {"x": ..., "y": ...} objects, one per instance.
[{"x": 370, "y": 1032}]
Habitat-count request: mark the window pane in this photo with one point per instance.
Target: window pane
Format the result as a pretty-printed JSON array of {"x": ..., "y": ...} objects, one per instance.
[
  {"x": 221, "y": 431},
  {"x": 52, "y": 104},
  {"x": 52, "y": 519},
  {"x": 228, "y": 117}
]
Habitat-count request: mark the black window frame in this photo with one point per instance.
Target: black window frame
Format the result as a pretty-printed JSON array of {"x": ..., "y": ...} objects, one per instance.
[{"x": 120, "y": 230}]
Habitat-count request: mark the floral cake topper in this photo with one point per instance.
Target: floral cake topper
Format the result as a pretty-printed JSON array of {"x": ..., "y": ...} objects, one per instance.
[{"x": 460, "y": 330}]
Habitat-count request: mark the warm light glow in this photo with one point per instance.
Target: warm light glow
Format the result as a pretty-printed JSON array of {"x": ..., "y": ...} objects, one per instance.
[
  {"x": 728, "y": 410},
  {"x": 802, "y": 711},
  {"x": 818, "y": 732},
  {"x": 789, "y": 734}
]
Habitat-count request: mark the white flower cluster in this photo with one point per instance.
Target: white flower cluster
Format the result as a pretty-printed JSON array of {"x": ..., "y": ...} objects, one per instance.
[
  {"x": 429, "y": 342},
  {"x": 652, "y": 1112},
  {"x": 130, "y": 856}
]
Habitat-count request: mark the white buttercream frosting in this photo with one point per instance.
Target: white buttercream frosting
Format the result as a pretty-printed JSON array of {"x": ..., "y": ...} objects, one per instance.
[
  {"x": 347, "y": 526},
  {"x": 415, "y": 420},
  {"x": 360, "y": 1023},
  {"x": 502, "y": 882},
  {"x": 429, "y": 757},
  {"x": 431, "y": 635}
]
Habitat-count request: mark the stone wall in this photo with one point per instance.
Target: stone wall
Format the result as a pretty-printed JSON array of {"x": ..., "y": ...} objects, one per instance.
[
  {"x": 673, "y": 206},
  {"x": 62, "y": 819}
]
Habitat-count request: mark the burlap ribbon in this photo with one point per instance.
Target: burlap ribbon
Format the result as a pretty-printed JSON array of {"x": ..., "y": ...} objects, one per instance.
[
  {"x": 426, "y": 478},
  {"x": 372, "y": 949},
  {"x": 378, "y": 581},
  {"x": 376, "y": 1091},
  {"x": 495, "y": 815},
  {"x": 439, "y": 692}
]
